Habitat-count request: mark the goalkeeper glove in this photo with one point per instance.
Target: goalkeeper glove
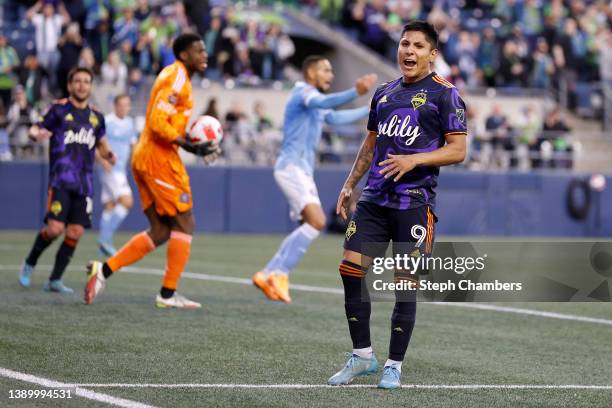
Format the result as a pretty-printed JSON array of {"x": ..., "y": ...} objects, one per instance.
[{"x": 202, "y": 149}]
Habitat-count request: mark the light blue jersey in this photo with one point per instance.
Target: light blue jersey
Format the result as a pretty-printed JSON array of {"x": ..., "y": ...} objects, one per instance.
[
  {"x": 306, "y": 110},
  {"x": 121, "y": 134}
]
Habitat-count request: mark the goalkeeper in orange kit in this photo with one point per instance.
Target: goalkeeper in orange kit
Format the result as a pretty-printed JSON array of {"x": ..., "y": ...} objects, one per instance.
[{"x": 163, "y": 183}]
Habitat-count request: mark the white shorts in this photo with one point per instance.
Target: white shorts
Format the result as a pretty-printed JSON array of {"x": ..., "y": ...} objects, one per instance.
[
  {"x": 114, "y": 185},
  {"x": 299, "y": 188}
]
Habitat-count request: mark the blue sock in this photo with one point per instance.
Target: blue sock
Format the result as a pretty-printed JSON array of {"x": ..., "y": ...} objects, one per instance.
[
  {"x": 119, "y": 214},
  {"x": 106, "y": 233},
  {"x": 292, "y": 249}
]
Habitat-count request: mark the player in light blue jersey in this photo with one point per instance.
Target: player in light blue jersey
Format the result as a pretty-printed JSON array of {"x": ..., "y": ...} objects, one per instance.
[
  {"x": 307, "y": 108},
  {"x": 116, "y": 192}
]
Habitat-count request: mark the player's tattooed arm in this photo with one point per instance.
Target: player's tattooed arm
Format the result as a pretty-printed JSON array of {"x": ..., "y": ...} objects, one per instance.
[{"x": 360, "y": 167}]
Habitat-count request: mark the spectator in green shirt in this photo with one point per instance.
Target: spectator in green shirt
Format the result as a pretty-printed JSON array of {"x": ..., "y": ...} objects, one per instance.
[{"x": 9, "y": 61}]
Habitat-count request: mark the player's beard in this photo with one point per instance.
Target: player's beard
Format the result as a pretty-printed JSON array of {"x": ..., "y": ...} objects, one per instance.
[{"x": 80, "y": 99}]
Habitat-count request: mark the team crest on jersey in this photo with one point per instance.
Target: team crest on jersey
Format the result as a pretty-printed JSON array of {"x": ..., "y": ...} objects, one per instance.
[
  {"x": 173, "y": 99},
  {"x": 184, "y": 198},
  {"x": 69, "y": 118},
  {"x": 56, "y": 208},
  {"x": 383, "y": 99},
  {"x": 93, "y": 119},
  {"x": 418, "y": 100},
  {"x": 351, "y": 229},
  {"x": 460, "y": 115}
]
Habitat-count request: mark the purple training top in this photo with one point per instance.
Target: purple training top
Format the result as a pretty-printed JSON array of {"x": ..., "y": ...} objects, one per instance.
[
  {"x": 411, "y": 118},
  {"x": 75, "y": 134}
]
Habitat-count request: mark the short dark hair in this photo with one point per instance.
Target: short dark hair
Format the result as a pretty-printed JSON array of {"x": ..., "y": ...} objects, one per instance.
[
  {"x": 184, "y": 41},
  {"x": 310, "y": 61},
  {"x": 120, "y": 97},
  {"x": 76, "y": 70},
  {"x": 423, "y": 26}
]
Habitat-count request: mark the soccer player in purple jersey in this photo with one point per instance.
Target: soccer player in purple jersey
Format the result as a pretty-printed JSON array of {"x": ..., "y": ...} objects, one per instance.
[
  {"x": 416, "y": 124},
  {"x": 75, "y": 130}
]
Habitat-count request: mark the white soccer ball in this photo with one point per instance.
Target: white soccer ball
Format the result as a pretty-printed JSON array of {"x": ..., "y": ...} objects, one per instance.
[{"x": 206, "y": 129}]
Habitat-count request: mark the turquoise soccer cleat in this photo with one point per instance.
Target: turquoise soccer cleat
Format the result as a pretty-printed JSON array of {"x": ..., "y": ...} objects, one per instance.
[
  {"x": 355, "y": 367},
  {"x": 24, "y": 275},
  {"x": 57, "y": 286},
  {"x": 390, "y": 378}
]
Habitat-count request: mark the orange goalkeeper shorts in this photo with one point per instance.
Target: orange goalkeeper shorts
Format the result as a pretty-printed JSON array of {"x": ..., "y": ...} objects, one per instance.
[{"x": 169, "y": 192}]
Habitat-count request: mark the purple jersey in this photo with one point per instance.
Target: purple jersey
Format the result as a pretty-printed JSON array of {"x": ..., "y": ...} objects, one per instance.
[
  {"x": 411, "y": 118},
  {"x": 75, "y": 134}
]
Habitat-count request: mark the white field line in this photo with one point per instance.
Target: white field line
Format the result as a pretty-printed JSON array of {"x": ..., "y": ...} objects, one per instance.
[
  {"x": 335, "y": 291},
  {"x": 76, "y": 389},
  {"x": 418, "y": 386}
]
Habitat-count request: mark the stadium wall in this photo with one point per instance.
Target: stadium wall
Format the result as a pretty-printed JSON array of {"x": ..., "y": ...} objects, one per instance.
[{"x": 247, "y": 200}]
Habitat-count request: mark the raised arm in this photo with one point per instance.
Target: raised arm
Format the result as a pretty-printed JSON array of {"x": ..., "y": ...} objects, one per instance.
[
  {"x": 343, "y": 117},
  {"x": 360, "y": 167},
  {"x": 61, "y": 8},
  {"x": 321, "y": 101},
  {"x": 34, "y": 9}
]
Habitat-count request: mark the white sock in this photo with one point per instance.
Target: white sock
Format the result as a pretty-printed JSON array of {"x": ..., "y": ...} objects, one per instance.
[
  {"x": 394, "y": 364},
  {"x": 364, "y": 352}
]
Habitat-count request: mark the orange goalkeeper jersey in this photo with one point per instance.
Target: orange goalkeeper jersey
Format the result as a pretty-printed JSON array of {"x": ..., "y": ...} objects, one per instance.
[{"x": 168, "y": 112}]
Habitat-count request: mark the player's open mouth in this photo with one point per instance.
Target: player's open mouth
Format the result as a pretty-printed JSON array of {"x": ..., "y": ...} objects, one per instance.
[{"x": 409, "y": 63}]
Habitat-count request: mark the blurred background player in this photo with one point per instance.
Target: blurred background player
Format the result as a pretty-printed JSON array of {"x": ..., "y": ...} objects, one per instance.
[
  {"x": 116, "y": 192},
  {"x": 161, "y": 177},
  {"x": 307, "y": 109},
  {"x": 75, "y": 130},
  {"x": 398, "y": 200}
]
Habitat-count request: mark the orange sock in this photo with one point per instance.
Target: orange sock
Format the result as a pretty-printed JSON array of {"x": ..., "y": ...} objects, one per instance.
[
  {"x": 179, "y": 247},
  {"x": 134, "y": 250}
]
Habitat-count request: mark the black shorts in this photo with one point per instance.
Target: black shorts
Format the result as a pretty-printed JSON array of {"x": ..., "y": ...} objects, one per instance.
[
  {"x": 69, "y": 207},
  {"x": 373, "y": 226}
]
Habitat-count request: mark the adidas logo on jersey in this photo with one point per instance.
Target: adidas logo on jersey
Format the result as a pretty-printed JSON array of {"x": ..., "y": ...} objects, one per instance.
[{"x": 83, "y": 136}]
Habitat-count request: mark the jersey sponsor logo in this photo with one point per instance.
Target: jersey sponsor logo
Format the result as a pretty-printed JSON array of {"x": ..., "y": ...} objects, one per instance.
[
  {"x": 383, "y": 99},
  {"x": 83, "y": 136},
  {"x": 418, "y": 100},
  {"x": 351, "y": 229},
  {"x": 460, "y": 115},
  {"x": 56, "y": 208},
  {"x": 400, "y": 128}
]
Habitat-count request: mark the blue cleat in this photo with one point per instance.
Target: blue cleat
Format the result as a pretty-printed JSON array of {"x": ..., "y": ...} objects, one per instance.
[
  {"x": 355, "y": 367},
  {"x": 58, "y": 287},
  {"x": 105, "y": 249},
  {"x": 24, "y": 275},
  {"x": 390, "y": 378}
]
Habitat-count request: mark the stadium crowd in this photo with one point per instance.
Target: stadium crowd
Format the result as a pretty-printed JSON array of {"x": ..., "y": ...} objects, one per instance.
[
  {"x": 520, "y": 43},
  {"x": 124, "y": 42},
  {"x": 494, "y": 43}
]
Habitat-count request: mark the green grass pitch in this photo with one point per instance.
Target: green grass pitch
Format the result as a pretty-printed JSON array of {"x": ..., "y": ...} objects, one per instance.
[{"x": 241, "y": 338}]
